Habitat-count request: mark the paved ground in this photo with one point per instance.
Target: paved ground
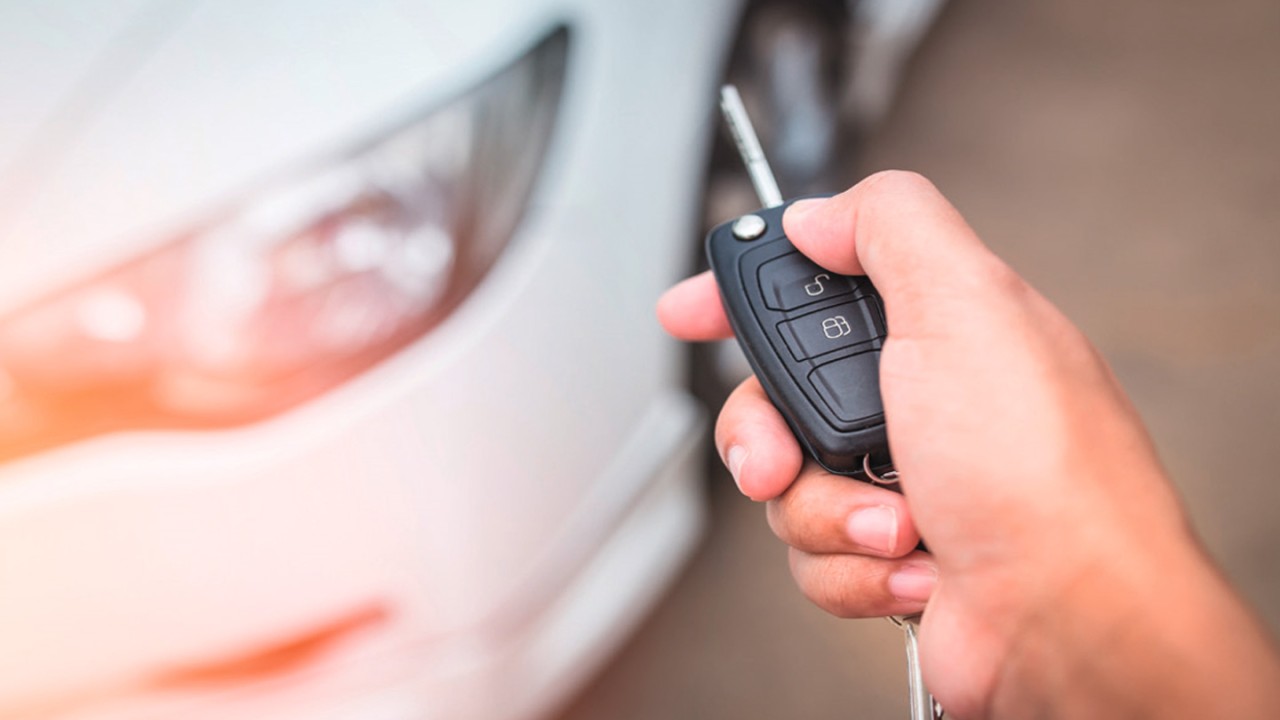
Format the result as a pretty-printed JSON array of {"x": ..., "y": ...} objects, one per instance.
[{"x": 1126, "y": 158}]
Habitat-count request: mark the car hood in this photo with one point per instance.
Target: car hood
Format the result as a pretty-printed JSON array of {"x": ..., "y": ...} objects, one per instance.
[{"x": 132, "y": 119}]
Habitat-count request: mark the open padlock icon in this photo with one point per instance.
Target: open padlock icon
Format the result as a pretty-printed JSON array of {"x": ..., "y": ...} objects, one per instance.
[{"x": 815, "y": 288}]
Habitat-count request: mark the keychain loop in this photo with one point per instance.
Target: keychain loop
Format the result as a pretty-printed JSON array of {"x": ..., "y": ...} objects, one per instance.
[
  {"x": 889, "y": 478},
  {"x": 922, "y": 704}
]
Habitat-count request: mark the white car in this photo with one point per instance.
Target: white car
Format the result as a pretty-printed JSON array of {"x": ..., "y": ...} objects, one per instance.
[{"x": 329, "y": 381}]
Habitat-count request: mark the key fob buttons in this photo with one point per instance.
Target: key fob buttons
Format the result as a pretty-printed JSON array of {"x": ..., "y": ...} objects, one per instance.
[
  {"x": 850, "y": 386},
  {"x": 813, "y": 338},
  {"x": 833, "y": 328},
  {"x": 793, "y": 281}
]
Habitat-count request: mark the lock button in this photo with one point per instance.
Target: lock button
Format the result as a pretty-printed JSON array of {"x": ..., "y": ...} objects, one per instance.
[
  {"x": 793, "y": 281},
  {"x": 832, "y": 329}
]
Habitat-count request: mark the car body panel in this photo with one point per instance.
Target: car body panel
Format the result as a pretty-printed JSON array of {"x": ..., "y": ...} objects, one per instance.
[
  {"x": 57, "y": 44},
  {"x": 444, "y": 483},
  {"x": 234, "y": 95},
  {"x": 484, "y": 513}
]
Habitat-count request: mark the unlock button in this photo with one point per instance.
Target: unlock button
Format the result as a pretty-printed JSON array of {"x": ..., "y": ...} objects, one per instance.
[{"x": 793, "y": 281}]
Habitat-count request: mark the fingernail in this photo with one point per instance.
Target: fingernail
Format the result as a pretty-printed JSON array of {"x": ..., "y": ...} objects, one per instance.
[
  {"x": 735, "y": 458},
  {"x": 874, "y": 528},
  {"x": 914, "y": 583}
]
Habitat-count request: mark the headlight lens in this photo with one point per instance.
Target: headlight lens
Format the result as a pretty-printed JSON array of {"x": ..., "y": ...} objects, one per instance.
[{"x": 295, "y": 290}]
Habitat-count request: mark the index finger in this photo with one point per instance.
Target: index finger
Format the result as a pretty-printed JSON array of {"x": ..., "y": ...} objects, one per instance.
[{"x": 691, "y": 310}]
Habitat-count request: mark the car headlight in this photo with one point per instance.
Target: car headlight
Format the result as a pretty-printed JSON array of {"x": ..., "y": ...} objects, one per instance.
[{"x": 295, "y": 289}]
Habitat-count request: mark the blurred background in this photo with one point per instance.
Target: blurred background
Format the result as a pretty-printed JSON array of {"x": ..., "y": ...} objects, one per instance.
[
  {"x": 329, "y": 380},
  {"x": 1124, "y": 158}
]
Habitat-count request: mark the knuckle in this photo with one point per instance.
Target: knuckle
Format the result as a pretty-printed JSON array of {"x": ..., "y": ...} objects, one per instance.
[
  {"x": 999, "y": 277},
  {"x": 734, "y": 410},
  {"x": 723, "y": 433},
  {"x": 793, "y": 520},
  {"x": 815, "y": 582},
  {"x": 729, "y": 421},
  {"x": 780, "y": 514},
  {"x": 835, "y": 585}
]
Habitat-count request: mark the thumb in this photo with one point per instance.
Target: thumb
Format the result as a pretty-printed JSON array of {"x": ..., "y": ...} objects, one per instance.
[{"x": 896, "y": 228}]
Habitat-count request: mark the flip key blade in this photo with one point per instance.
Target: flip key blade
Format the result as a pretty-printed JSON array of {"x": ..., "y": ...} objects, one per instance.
[{"x": 744, "y": 135}]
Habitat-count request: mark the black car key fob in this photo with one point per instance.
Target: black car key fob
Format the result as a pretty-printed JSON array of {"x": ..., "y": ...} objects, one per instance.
[{"x": 812, "y": 337}]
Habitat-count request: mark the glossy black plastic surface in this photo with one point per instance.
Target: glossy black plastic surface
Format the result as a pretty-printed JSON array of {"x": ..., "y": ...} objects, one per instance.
[{"x": 813, "y": 338}]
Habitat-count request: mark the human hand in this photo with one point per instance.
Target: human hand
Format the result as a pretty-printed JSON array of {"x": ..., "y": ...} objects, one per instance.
[{"x": 1061, "y": 560}]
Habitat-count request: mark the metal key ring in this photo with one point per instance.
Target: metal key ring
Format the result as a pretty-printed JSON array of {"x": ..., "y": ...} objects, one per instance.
[{"x": 889, "y": 478}]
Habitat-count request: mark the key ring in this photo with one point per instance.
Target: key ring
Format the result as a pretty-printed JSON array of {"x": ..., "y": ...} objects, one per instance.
[
  {"x": 889, "y": 478},
  {"x": 923, "y": 706}
]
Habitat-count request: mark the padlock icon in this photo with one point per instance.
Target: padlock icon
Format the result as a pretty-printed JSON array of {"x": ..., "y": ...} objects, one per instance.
[
  {"x": 836, "y": 327},
  {"x": 814, "y": 289}
]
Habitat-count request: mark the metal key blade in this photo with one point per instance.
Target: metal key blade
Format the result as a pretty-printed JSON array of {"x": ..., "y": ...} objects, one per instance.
[
  {"x": 923, "y": 706},
  {"x": 744, "y": 135}
]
